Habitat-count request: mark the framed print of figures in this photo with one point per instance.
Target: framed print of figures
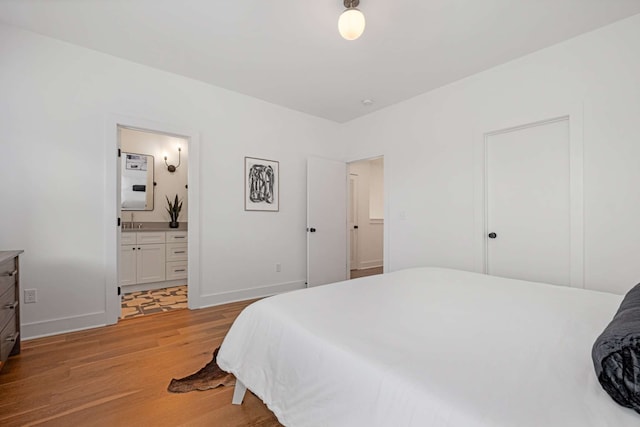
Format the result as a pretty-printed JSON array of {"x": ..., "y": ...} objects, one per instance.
[{"x": 261, "y": 185}]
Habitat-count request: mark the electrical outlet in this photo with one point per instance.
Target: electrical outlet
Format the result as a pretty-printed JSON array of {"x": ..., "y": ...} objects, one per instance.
[
  {"x": 30, "y": 296},
  {"x": 278, "y": 268}
]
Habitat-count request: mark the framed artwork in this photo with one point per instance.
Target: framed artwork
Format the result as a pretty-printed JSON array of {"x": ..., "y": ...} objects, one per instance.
[{"x": 261, "y": 185}]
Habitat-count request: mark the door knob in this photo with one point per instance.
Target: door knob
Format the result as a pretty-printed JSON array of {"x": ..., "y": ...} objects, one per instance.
[{"x": 492, "y": 235}]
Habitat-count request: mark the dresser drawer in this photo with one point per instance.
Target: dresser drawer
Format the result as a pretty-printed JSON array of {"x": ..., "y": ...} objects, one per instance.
[
  {"x": 150, "y": 237},
  {"x": 8, "y": 338},
  {"x": 8, "y": 306},
  {"x": 128, "y": 238},
  {"x": 8, "y": 272},
  {"x": 176, "y": 252},
  {"x": 176, "y": 270},
  {"x": 176, "y": 236}
]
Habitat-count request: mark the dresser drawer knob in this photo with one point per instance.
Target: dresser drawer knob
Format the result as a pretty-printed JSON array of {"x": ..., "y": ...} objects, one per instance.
[
  {"x": 13, "y": 273},
  {"x": 179, "y": 252},
  {"x": 13, "y": 338},
  {"x": 179, "y": 270},
  {"x": 11, "y": 306}
]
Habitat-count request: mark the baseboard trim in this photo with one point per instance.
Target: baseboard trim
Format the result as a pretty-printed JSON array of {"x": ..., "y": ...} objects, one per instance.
[
  {"x": 211, "y": 300},
  {"x": 81, "y": 322},
  {"x": 370, "y": 264},
  {"x": 62, "y": 325}
]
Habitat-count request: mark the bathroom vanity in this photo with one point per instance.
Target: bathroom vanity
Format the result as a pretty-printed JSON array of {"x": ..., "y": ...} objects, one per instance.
[{"x": 152, "y": 256}]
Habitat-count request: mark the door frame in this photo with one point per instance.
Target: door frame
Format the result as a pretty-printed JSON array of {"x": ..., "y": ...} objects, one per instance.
[
  {"x": 386, "y": 266},
  {"x": 574, "y": 114},
  {"x": 112, "y": 207}
]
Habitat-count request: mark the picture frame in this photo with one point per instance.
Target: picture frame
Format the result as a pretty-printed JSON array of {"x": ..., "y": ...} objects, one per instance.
[{"x": 261, "y": 185}]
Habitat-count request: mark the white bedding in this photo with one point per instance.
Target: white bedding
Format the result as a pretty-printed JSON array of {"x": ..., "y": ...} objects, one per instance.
[{"x": 427, "y": 347}]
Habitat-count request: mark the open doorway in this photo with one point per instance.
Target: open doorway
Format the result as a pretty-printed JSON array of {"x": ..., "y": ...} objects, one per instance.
[
  {"x": 365, "y": 217},
  {"x": 152, "y": 273}
]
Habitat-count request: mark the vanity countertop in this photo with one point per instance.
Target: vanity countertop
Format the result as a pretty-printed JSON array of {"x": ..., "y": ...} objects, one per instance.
[{"x": 152, "y": 226}]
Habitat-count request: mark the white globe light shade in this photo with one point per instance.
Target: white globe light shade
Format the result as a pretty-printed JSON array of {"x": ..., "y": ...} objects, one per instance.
[{"x": 351, "y": 24}]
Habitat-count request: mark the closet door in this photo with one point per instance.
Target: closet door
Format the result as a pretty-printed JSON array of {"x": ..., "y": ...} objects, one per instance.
[{"x": 528, "y": 203}]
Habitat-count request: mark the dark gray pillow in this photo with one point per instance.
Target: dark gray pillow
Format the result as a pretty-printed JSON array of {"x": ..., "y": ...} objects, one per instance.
[{"x": 616, "y": 353}]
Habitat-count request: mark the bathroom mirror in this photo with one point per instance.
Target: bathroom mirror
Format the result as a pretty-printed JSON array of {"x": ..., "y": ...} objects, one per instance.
[{"x": 137, "y": 182}]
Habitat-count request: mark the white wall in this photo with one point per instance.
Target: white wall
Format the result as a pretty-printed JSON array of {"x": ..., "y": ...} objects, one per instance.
[
  {"x": 55, "y": 103},
  {"x": 429, "y": 144},
  {"x": 56, "y": 98},
  {"x": 370, "y": 230},
  {"x": 168, "y": 184}
]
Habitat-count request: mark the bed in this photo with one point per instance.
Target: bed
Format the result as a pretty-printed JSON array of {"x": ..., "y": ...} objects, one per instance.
[{"x": 426, "y": 347}]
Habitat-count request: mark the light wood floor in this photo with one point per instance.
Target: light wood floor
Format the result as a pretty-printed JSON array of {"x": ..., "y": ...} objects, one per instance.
[{"x": 118, "y": 376}]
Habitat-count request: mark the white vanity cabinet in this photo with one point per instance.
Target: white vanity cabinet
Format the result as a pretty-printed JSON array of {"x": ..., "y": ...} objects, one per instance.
[
  {"x": 128, "y": 265},
  {"x": 142, "y": 257},
  {"x": 176, "y": 255},
  {"x": 152, "y": 257},
  {"x": 150, "y": 265}
]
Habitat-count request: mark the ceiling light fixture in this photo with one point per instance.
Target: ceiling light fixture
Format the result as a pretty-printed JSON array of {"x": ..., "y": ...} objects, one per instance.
[{"x": 351, "y": 23}]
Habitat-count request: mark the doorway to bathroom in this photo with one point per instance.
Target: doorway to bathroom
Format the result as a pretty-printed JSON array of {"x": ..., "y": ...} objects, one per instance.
[{"x": 153, "y": 261}]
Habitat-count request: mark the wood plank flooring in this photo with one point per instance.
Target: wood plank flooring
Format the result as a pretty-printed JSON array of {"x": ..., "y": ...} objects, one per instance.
[{"x": 118, "y": 376}]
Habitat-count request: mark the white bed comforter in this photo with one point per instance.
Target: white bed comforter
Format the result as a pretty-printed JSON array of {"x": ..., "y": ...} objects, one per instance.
[{"x": 427, "y": 347}]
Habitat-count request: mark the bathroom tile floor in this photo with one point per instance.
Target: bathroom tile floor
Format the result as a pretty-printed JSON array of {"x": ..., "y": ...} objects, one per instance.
[{"x": 136, "y": 304}]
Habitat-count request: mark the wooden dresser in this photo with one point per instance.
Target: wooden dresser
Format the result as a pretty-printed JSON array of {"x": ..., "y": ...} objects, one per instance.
[{"x": 9, "y": 305}]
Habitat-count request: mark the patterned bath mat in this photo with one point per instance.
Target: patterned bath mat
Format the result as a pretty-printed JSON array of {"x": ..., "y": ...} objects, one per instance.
[{"x": 136, "y": 304}]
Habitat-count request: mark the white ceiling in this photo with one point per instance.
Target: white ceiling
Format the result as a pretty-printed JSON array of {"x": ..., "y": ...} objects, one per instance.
[{"x": 290, "y": 53}]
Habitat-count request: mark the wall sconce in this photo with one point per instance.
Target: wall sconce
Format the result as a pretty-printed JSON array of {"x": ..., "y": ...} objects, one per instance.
[
  {"x": 172, "y": 168},
  {"x": 351, "y": 23}
]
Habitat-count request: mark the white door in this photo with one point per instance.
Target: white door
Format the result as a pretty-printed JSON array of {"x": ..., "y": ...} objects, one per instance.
[
  {"x": 352, "y": 221},
  {"x": 528, "y": 203},
  {"x": 326, "y": 221}
]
